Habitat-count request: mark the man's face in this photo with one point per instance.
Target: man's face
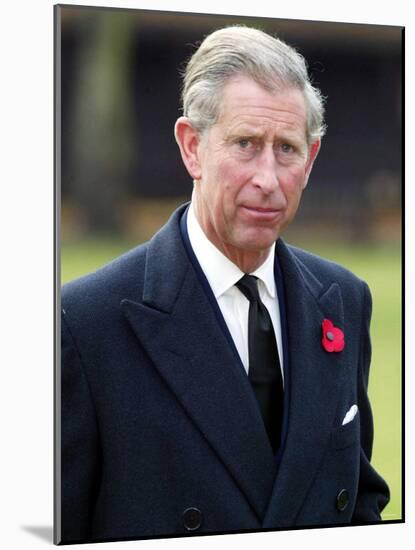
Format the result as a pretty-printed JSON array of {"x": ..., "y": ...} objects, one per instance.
[{"x": 254, "y": 164}]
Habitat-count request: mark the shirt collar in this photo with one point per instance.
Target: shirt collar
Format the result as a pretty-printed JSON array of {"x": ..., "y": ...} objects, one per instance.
[
  {"x": 265, "y": 273},
  {"x": 221, "y": 273}
]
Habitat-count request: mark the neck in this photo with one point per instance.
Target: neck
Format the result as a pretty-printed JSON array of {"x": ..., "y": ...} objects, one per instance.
[{"x": 247, "y": 260}]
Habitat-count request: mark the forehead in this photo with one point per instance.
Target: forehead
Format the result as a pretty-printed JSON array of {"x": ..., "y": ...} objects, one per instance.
[{"x": 246, "y": 103}]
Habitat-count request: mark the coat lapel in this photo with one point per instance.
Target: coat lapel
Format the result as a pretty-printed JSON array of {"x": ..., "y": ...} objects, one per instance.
[
  {"x": 314, "y": 377},
  {"x": 176, "y": 325}
]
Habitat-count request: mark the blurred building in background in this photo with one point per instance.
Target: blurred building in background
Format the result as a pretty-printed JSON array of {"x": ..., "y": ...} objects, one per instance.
[{"x": 118, "y": 95}]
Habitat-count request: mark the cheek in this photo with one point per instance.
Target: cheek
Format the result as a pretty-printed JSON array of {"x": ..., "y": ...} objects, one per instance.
[
  {"x": 230, "y": 178},
  {"x": 294, "y": 181}
]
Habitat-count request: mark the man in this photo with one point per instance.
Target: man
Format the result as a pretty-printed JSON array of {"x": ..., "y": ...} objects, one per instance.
[{"x": 215, "y": 379}]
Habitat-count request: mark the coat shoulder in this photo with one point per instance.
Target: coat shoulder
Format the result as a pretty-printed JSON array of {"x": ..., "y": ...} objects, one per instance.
[
  {"x": 122, "y": 277},
  {"x": 323, "y": 268},
  {"x": 327, "y": 272}
]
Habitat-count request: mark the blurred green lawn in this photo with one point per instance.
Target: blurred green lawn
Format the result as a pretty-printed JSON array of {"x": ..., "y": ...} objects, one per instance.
[{"x": 380, "y": 266}]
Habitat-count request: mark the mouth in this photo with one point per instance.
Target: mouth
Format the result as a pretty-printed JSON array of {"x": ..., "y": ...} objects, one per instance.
[{"x": 262, "y": 213}]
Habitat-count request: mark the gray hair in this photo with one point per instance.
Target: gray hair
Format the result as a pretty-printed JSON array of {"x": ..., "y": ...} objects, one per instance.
[{"x": 269, "y": 61}]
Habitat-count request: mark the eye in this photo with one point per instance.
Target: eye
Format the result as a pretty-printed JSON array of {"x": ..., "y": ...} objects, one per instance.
[
  {"x": 286, "y": 148},
  {"x": 244, "y": 143}
]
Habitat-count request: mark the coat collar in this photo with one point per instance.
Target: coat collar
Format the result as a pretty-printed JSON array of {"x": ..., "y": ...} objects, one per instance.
[
  {"x": 177, "y": 326},
  {"x": 314, "y": 379}
]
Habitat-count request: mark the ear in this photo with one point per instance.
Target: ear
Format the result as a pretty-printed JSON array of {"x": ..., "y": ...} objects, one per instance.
[
  {"x": 188, "y": 140},
  {"x": 312, "y": 154}
]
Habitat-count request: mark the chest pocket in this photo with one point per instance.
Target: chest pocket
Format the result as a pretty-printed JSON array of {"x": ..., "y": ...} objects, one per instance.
[{"x": 346, "y": 435}]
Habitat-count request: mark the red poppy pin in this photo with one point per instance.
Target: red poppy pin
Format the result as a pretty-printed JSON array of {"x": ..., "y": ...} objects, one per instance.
[{"x": 333, "y": 337}]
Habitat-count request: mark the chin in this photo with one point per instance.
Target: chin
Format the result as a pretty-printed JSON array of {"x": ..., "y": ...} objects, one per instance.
[{"x": 259, "y": 241}]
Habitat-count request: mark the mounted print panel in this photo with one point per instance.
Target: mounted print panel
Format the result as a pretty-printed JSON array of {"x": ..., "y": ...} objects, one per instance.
[{"x": 193, "y": 151}]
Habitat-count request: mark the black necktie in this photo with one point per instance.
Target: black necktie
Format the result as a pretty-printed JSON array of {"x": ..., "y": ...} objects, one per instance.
[{"x": 264, "y": 366}]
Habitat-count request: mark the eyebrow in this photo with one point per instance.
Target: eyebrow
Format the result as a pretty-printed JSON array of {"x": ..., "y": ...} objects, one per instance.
[
  {"x": 250, "y": 132},
  {"x": 244, "y": 132}
]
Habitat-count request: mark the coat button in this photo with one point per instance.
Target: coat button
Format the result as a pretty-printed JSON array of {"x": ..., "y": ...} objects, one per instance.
[
  {"x": 192, "y": 519},
  {"x": 342, "y": 500}
]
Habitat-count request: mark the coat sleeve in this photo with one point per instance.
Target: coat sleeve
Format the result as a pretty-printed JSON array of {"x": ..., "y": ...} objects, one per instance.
[
  {"x": 373, "y": 492},
  {"x": 80, "y": 471}
]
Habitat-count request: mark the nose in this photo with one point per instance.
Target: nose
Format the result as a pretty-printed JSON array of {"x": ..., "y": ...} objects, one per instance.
[{"x": 266, "y": 171}]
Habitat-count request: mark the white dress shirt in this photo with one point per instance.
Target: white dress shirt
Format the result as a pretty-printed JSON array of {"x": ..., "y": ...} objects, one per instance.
[{"x": 222, "y": 274}]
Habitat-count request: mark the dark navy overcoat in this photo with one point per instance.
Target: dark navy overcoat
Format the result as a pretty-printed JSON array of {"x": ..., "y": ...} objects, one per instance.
[{"x": 160, "y": 430}]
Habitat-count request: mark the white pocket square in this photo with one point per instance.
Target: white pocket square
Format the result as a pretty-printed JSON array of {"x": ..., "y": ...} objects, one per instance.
[{"x": 351, "y": 413}]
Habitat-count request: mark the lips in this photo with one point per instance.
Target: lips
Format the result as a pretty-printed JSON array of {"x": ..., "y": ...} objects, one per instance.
[
  {"x": 261, "y": 213},
  {"x": 259, "y": 208}
]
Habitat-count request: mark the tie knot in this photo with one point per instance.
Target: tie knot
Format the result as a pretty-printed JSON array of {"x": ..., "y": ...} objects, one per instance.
[{"x": 249, "y": 287}]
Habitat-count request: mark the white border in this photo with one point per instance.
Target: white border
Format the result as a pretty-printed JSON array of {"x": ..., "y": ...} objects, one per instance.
[{"x": 27, "y": 269}]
